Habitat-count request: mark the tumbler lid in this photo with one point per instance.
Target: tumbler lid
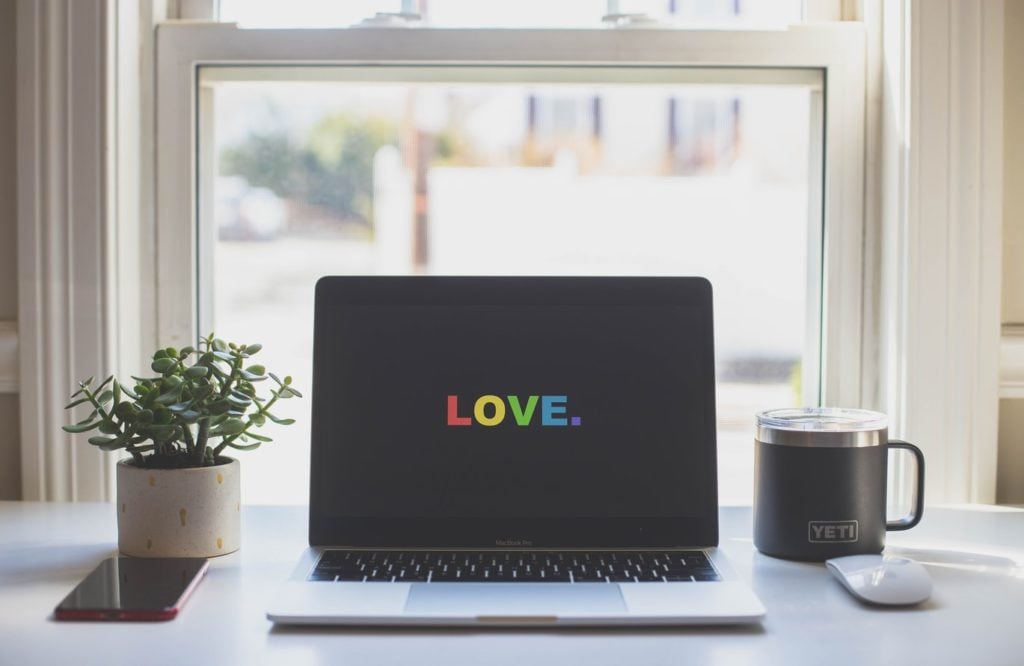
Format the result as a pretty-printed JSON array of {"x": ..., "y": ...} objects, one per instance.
[{"x": 822, "y": 426}]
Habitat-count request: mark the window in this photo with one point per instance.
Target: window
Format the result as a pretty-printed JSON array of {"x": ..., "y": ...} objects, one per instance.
[{"x": 452, "y": 152}]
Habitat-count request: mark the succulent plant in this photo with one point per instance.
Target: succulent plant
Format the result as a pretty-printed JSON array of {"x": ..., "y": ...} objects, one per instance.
[{"x": 201, "y": 402}]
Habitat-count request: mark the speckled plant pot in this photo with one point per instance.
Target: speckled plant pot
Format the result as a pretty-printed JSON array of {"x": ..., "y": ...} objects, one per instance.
[{"x": 191, "y": 512}]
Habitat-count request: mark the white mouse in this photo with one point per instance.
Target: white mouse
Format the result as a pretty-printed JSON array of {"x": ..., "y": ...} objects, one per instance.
[{"x": 890, "y": 581}]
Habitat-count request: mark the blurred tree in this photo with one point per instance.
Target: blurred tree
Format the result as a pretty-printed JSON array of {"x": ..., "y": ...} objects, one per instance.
[
  {"x": 263, "y": 159},
  {"x": 332, "y": 167}
]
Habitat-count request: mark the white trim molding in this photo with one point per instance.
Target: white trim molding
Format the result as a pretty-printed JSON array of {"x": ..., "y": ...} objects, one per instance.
[
  {"x": 62, "y": 242},
  {"x": 1011, "y": 362},
  {"x": 8, "y": 357},
  {"x": 945, "y": 60}
]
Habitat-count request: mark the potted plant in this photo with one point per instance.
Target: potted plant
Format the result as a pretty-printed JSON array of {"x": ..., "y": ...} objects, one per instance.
[{"x": 178, "y": 495}]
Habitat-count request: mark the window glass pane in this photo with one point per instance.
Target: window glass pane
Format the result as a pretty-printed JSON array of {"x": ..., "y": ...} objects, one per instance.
[
  {"x": 518, "y": 14},
  {"x": 312, "y": 179}
]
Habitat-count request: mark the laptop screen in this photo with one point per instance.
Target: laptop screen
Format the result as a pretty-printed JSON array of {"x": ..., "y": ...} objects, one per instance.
[{"x": 513, "y": 410}]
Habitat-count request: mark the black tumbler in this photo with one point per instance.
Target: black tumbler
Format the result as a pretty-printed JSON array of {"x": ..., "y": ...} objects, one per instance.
[{"x": 820, "y": 483}]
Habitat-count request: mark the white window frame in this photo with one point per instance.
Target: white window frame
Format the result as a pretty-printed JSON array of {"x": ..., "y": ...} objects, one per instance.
[{"x": 837, "y": 50}]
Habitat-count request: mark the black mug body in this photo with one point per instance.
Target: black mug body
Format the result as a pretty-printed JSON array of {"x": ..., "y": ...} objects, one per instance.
[{"x": 814, "y": 503}]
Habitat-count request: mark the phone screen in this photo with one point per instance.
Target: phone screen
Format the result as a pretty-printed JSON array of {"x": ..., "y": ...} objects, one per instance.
[{"x": 133, "y": 588}]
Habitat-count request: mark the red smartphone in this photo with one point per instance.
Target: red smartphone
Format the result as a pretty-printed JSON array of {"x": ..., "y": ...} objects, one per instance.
[{"x": 134, "y": 589}]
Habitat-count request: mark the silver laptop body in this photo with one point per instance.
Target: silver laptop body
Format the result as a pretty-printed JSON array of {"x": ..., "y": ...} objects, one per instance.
[{"x": 513, "y": 451}]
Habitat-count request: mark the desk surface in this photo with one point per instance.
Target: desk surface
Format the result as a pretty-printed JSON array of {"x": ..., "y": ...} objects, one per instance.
[{"x": 975, "y": 616}]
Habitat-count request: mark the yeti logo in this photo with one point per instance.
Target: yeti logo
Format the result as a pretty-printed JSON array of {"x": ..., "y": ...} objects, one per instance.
[{"x": 832, "y": 531}]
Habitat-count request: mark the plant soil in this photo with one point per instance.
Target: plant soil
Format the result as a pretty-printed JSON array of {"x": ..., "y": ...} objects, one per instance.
[{"x": 182, "y": 461}]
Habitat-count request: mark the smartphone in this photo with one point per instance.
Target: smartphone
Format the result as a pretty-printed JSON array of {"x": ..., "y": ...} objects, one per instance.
[{"x": 134, "y": 588}]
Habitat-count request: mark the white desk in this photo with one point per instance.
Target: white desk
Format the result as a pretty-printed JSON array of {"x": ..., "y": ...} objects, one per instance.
[{"x": 976, "y": 615}]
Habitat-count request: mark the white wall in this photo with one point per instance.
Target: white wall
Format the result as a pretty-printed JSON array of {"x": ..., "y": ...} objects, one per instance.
[
  {"x": 10, "y": 455},
  {"x": 1010, "y": 484}
]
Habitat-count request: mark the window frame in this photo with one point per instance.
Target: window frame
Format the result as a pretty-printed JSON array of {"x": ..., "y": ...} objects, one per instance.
[{"x": 836, "y": 49}]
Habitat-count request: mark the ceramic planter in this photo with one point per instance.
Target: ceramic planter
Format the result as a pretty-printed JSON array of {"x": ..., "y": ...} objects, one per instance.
[{"x": 192, "y": 512}]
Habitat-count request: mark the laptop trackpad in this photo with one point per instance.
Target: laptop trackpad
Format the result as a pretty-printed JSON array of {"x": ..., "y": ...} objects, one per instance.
[{"x": 502, "y": 599}]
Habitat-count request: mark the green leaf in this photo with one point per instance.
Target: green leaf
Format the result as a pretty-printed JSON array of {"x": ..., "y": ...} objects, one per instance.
[
  {"x": 162, "y": 365},
  {"x": 167, "y": 398},
  {"x": 105, "y": 397},
  {"x": 253, "y": 349},
  {"x": 185, "y": 351},
  {"x": 160, "y": 432},
  {"x": 100, "y": 440},
  {"x": 159, "y": 354},
  {"x": 117, "y": 392},
  {"x": 229, "y": 427},
  {"x": 244, "y": 447},
  {"x": 190, "y": 416},
  {"x": 279, "y": 421},
  {"x": 109, "y": 428},
  {"x": 287, "y": 392},
  {"x": 219, "y": 345},
  {"x": 80, "y": 427},
  {"x": 259, "y": 438},
  {"x": 76, "y": 403},
  {"x": 224, "y": 356},
  {"x": 245, "y": 391},
  {"x": 288, "y": 380},
  {"x": 239, "y": 402},
  {"x": 179, "y": 407},
  {"x": 172, "y": 382},
  {"x": 105, "y": 382},
  {"x": 197, "y": 371},
  {"x": 275, "y": 378},
  {"x": 258, "y": 420}
]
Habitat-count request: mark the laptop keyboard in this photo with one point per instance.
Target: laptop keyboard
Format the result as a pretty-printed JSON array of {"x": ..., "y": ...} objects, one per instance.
[{"x": 391, "y": 566}]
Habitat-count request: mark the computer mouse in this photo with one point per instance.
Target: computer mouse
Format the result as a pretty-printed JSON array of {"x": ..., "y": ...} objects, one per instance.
[{"x": 876, "y": 579}]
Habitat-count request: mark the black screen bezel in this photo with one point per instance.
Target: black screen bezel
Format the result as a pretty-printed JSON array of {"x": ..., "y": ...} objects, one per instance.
[{"x": 413, "y": 531}]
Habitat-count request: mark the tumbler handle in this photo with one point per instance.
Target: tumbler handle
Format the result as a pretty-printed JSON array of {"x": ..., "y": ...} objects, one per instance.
[{"x": 908, "y": 521}]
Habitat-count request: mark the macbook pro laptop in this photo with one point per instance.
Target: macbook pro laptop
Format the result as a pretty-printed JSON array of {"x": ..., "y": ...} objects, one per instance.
[{"x": 521, "y": 451}]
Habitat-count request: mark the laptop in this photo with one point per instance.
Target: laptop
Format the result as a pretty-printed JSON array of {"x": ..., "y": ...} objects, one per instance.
[{"x": 513, "y": 451}]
